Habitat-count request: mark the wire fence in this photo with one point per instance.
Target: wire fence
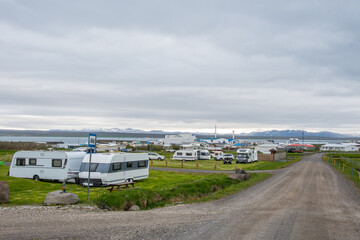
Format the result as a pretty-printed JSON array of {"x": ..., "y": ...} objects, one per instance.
[
  {"x": 193, "y": 165},
  {"x": 347, "y": 166}
]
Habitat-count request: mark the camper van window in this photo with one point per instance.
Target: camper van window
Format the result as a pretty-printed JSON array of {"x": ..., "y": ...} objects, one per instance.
[
  {"x": 93, "y": 167},
  {"x": 179, "y": 154},
  {"x": 20, "y": 161},
  {"x": 116, "y": 166},
  {"x": 56, "y": 162},
  {"x": 129, "y": 165},
  {"x": 32, "y": 161},
  {"x": 142, "y": 164},
  {"x": 188, "y": 154}
]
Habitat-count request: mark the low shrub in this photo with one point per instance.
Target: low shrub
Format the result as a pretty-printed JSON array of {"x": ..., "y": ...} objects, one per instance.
[
  {"x": 23, "y": 146},
  {"x": 187, "y": 192}
]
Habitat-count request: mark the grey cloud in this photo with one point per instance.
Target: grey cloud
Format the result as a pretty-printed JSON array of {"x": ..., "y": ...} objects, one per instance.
[{"x": 179, "y": 64}]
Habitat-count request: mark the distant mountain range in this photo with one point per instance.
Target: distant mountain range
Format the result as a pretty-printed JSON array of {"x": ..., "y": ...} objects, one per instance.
[
  {"x": 267, "y": 134},
  {"x": 297, "y": 134},
  {"x": 129, "y": 132}
]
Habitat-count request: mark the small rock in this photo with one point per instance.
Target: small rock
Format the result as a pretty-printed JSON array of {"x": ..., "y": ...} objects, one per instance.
[
  {"x": 134, "y": 208},
  {"x": 240, "y": 174},
  {"x": 4, "y": 192},
  {"x": 60, "y": 197}
]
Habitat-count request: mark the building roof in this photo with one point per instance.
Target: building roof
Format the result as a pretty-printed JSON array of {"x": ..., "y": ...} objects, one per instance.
[
  {"x": 299, "y": 145},
  {"x": 339, "y": 145}
]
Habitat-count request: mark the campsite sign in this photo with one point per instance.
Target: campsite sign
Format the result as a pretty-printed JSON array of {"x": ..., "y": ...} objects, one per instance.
[{"x": 92, "y": 140}]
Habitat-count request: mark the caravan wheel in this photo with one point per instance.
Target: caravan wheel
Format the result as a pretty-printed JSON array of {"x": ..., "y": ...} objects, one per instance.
[
  {"x": 36, "y": 178},
  {"x": 77, "y": 181},
  {"x": 129, "y": 180}
]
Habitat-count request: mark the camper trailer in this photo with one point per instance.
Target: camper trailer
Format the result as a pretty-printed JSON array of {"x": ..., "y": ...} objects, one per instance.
[
  {"x": 204, "y": 155},
  {"x": 246, "y": 155},
  {"x": 112, "y": 168},
  {"x": 186, "y": 155},
  {"x": 45, "y": 165}
]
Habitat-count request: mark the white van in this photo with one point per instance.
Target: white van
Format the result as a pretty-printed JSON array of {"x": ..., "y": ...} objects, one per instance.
[
  {"x": 246, "y": 155},
  {"x": 204, "y": 155},
  {"x": 186, "y": 155},
  {"x": 45, "y": 165},
  {"x": 216, "y": 154},
  {"x": 111, "y": 168}
]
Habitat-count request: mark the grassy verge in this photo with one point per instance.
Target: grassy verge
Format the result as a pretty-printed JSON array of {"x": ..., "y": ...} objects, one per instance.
[
  {"x": 348, "y": 167},
  {"x": 208, "y": 187},
  {"x": 210, "y": 164},
  {"x": 180, "y": 186},
  {"x": 6, "y": 155}
]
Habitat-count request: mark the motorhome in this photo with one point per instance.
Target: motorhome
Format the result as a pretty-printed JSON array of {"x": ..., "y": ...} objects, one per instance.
[
  {"x": 204, "y": 155},
  {"x": 186, "y": 155},
  {"x": 246, "y": 155},
  {"x": 112, "y": 168},
  {"x": 44, "y": 165}
]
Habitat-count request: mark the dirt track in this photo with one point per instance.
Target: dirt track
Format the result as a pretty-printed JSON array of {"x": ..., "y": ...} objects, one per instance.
[{"x": 308, "y": 200}]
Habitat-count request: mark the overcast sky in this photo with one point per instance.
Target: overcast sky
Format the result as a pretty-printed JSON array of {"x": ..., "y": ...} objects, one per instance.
[{"x": 180, "y": 65}]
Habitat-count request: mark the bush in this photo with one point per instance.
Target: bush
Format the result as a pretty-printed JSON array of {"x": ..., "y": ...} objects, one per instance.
[{"x": 23, "y": 146}]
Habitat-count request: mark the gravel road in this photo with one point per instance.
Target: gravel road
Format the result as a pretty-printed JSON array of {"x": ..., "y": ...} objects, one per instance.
[{"x": 308, "y": 200}]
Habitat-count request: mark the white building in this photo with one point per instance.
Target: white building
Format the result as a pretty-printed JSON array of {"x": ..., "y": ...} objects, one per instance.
[
  {"x": 214, "y": 140},
  {"x": 111, "y": 146},
  {"x": 182, "y": 138},
  {"x": 191, "y": 146},
  {"x": 265, "y": 148},
  {"x": 340, "y": 147}
]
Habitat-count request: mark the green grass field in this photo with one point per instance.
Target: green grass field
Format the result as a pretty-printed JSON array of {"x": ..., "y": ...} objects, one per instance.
[
  {"x": 30, "y": 192},
  {"x": 159, "y": 189}
]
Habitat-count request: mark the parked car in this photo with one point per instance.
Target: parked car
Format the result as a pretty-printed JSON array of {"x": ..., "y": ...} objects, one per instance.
[
  {"x": 155, "y": 156},
  {"x": 126, "y": 150},
  {"x": 227, "y": 158},
  {"x": 294, "y": 150},
  {"x": 216, "y": 155},
  {"x": 219, "y": 157}
]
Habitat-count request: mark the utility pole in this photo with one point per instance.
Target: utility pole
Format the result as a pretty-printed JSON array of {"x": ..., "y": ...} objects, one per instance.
[{"x": 303, "y": 137}]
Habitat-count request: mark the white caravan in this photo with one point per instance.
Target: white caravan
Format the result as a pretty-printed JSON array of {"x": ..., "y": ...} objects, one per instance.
[
  {"x": 186, "y": 155},
  {"x": 46, "y": 165},
  {"x": 112, "y": 168},
  {"x": 204, "y": 155},
  {"x": 246, "y": 155}
]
